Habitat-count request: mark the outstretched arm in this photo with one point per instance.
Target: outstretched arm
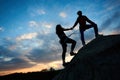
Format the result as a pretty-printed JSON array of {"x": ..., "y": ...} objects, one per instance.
[
  {"x": 76, "y": 22},
  {"x": 66, "y": 29}
]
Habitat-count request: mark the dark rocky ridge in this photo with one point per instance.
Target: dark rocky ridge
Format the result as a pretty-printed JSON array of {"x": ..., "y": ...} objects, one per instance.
[{"x": 98, "y": 60}]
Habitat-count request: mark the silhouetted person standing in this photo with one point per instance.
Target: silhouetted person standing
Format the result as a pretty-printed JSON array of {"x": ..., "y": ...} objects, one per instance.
[
  {"x": 63, "y": 41},
  {"x": 82, "y": 20}
]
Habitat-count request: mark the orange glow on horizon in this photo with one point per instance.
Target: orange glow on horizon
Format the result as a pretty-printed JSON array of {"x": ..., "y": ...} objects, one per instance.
[{"x": 38, "y": 67}]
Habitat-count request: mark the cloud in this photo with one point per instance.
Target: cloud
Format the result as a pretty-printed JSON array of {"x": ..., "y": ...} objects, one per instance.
[
  {"x": 63, "y": 14},
  {"x": 116, "y": 30},
  {"x": 10, "y": 60},
  {"x": 114, "y": 19},
  {"x": 1, "y": 29},
  {"x": 41, "y": 27},
  {"x": 45, "y": 28},
  {"x": 7, "y": 42},
  {"x": 37, "y": 12},
  {"x": 15, "y": 63},
  {"x": 110, "y": 5},
  {"x": 47, "y": 25},
  {"x": 27, "y": 36},
  {"x": 38, "y": 24},
  {"x": 42, "y": 55},
  {"x": 33, "y": 24},
  {"x": 49, "y": 51},
  {"x": 40, "y": 12},
  {"x": 47, "y": 38}
]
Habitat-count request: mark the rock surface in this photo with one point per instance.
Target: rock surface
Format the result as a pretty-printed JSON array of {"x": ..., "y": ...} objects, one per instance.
[{"x": 98, "y": 60}]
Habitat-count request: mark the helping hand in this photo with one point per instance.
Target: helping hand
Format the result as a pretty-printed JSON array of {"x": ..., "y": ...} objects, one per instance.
[{"x": 71, "y": 28}]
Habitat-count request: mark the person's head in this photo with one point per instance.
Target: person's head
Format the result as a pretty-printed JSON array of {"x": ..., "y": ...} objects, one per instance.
[
  {"x": 79, "y": 13},
  {"x": 58, "y": 27}
]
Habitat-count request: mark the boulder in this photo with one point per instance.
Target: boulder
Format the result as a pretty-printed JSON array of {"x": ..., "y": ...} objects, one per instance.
[{"x": 98, "y": 60}]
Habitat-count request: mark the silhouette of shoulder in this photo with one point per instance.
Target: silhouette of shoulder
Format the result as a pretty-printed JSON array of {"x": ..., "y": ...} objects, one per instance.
[
  {"x": 85, "y": 17},
  {"x": 82, "y": 17}
]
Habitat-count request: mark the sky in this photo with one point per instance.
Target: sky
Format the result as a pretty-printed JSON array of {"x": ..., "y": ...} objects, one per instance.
[{"x": 28, "y": 41}]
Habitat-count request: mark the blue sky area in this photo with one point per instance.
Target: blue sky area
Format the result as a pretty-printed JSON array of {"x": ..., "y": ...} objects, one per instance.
[{"x": 27, "y": 30}]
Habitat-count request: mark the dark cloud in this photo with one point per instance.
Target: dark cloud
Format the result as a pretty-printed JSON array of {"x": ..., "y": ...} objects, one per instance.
[
  {"x": 48, "y": 52},
  {"x": 51, "y": 42},
  {"x": 7, "y": 42},
  {"x": 43, "y": 55},
  {"x": 114, "y": 19},
  {"x": 10, "y": 59},
  {"x": 117, "y": 29},
  {"x": 5, "y": 52},
  {"x": 14, "y": 61}
]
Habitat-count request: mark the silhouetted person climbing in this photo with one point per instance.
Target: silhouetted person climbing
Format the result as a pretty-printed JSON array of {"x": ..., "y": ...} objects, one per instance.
[
  {"x": 82, "y": 20},
  {"x": 63, "y": 41}
]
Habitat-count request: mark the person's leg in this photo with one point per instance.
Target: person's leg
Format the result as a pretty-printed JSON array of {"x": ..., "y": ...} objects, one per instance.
[
  {"x": 82, "y": 37},
  {"x": 69, "y": 40},
  {"x": 64, "y": 47},
  {"x": 73, "y": 45},
  {"x": 95, "y": 28}
]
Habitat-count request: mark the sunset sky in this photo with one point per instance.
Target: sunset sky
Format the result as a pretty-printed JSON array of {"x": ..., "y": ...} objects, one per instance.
[{"x": 27, "y": 30}]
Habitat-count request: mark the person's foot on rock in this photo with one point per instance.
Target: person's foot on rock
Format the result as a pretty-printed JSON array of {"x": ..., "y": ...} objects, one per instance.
[
  {"x": 72, "y": 53},
  {"x": 65, "y": 64},
  {"x": 99, "y": 35}
]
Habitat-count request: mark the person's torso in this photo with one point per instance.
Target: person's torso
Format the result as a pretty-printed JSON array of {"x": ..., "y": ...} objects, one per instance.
[
  {"x": 61, "y": 34},
  {"x": 82, "y": 21}
]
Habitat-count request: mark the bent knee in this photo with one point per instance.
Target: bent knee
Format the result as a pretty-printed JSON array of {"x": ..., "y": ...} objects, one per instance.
[
  {"x": 74, "y": 42},
  {"x": 94, "y": 25}
]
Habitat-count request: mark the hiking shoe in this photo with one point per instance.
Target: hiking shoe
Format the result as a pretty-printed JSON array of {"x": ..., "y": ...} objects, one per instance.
[
  {"x": 99, "y": 35},
  {"x": 72, "y": 53},
  {"x": 65, "y": 64}
]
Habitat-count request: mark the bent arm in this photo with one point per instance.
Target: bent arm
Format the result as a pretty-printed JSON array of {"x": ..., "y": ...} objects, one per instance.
[{"x": 89, "y": 21}]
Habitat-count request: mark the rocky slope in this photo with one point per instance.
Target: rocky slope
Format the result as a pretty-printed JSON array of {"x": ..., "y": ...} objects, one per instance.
[{"x": 98, "y": 60}]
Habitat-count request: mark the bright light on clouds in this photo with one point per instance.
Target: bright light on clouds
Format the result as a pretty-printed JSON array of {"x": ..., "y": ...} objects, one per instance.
[
  {"x": 1, "y": 29},
  {"x": 41, "y": 12},
  {"x": 63, "y": 14},
  {"x": 7, "y": 59},
  {"x": 55, "y": 64},
  {"x": 27, "y": 36},
  {"x": 36, "y": 12},
  {"x": 47, "y": 25},
  {"x": 33, "y": 24}
]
